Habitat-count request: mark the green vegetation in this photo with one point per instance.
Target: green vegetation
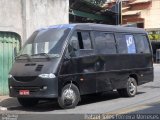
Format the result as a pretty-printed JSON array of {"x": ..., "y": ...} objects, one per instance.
[
  {"x": 97, "y": 2},
  {"x": 154, "y": 36}
]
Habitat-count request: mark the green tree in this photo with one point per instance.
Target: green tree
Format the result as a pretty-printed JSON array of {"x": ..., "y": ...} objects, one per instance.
[{"x": 98, "y": 2}]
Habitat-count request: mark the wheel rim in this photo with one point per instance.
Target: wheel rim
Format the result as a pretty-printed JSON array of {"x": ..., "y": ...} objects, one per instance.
[
  {"x": 69, "y": 97},
  {"x": 132, "y": 87}
]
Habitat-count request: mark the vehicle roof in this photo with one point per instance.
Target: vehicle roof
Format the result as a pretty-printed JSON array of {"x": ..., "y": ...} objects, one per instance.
[
  {"x": 108, "y": 28},
  {"x": 98, "y": 27}
]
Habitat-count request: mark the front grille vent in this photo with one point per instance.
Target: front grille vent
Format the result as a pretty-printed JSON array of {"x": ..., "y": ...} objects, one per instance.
[
  {"x": 30, "y": 64},
  {"x": 25, "y": 79},
  {"x": 39, "y": 67}
]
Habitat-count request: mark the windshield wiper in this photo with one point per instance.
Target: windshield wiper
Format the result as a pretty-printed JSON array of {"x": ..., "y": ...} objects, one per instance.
[
  {"x": 24, "y": 55},
  {"x": 42, "y": 54}
]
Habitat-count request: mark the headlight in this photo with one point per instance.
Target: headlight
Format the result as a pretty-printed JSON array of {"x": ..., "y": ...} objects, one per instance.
[
  {"x": 51, "y": 75},
  {"x": 10, "y": 76}
]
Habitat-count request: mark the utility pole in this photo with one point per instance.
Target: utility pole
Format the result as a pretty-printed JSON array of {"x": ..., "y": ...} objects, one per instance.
[{"x": 119, "y": 12}]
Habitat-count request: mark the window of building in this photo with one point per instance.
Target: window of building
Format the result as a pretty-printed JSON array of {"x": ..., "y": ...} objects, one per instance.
[{"x": 105, "y": 43}]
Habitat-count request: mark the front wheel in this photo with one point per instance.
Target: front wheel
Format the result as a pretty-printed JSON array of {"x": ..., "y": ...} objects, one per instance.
[
  {"x": 28, "y": 102},
  {"x": 130, "y": 90},
  {"x": 70, "y": 96}
]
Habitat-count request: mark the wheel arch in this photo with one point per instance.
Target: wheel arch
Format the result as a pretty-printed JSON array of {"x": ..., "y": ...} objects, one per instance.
[
  {"x": 73, "y": 82},
  {"x": 135, "y": 76},
  {"x": 69, "y": 82}
]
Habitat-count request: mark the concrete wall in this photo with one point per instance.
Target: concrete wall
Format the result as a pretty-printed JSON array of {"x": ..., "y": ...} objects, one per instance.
[
  {"x": 25, "y": 16},
  {"x": 11, "y": 16},
  {"x": 152, "y": 15},
  {"x": 39, "y": 13}
]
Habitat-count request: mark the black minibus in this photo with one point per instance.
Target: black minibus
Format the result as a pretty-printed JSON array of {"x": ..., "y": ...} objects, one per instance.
[{"x": 67, "y": 61}]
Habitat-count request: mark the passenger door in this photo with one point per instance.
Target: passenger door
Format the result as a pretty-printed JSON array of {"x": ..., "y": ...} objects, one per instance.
[
  {"x": 126, "y": 60},
  {"x": 83, "y": 59},
  {"x": 144, "y": 57},
  {"x": 106, "y": 50}
]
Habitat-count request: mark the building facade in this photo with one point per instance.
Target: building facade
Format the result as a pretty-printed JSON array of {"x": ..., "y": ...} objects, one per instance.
[
  {"x": 140, "y": 13},
  {"x": 144, "y": 13}
]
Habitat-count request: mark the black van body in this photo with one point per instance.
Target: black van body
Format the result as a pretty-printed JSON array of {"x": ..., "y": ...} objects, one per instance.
[{"x": 91, "y": 58}]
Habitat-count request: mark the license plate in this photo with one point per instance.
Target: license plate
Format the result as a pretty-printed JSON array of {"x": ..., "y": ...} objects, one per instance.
[{"x": 24, "y": 92}]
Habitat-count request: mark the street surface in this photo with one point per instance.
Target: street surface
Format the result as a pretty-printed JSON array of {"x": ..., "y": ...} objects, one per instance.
[{"x": 147, "y": 101}]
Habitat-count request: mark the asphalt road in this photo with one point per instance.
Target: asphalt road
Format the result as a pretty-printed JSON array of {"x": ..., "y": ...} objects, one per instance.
[{"x": 147, "y": 101}]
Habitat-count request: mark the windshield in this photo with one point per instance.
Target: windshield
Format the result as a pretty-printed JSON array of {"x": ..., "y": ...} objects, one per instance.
[{"x": 47, "y": 42}]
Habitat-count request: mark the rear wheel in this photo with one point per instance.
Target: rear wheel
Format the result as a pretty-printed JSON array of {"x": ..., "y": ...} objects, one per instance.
[
  {"x": 28, "y": 102},
  {"x": 70, "y": 96},
  {"x": 130, "y": 90}
]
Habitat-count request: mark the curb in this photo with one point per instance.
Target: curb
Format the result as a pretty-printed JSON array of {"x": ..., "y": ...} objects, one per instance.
[{"x": 156, "y": 64}]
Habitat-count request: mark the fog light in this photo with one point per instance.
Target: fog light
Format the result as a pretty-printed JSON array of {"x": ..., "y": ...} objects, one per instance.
[{"x": 10, "y": 87}]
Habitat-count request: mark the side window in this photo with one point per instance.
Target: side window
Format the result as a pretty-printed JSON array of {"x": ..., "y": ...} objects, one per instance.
[
  {"x": 84, "y": 40},
  {"x": 121, "y": 43},
  {"x": 130, "y": 43},
  {"x": 73, "y": 45},
  {"x": 142, "y": 43},
  {"x": 74, "y": 41},
  {"x": 105, "y": 43},
  {"x": 79, "y": 40},
  {"x": 125, "y": 43}
]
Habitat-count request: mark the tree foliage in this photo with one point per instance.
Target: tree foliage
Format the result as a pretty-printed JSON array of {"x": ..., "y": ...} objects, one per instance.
[
  {"x": 154, "y": 35},
  {"x": 98, "y": 2}
]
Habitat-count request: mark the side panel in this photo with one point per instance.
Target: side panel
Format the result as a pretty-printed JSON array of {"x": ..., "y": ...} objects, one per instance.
[
  {"x": 78, "y": 64},
  {"x": 103, "y": 72},
  {"x": 81, "y": 71},
  {"x": 116, "y": 69}
]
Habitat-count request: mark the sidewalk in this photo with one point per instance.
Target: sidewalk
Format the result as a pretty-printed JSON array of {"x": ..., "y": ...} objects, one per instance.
[{"x": 3, "y": 98}]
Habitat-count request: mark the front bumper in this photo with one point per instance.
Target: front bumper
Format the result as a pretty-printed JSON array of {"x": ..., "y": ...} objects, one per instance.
[{"x": 38, "y": 88}]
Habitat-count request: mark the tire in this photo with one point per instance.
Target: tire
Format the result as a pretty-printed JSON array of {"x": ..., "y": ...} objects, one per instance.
[
  {"x": 130, "y": 90},
  {"x": 28, "y": 102},
  {"x": 65, "y": 101}
]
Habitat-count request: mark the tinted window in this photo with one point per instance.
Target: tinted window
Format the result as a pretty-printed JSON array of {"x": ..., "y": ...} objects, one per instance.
[
  {"x": 84, "y": 40},
  {"x": 73, "y": 45},
  {"x": 142, "y": 44},
  {"x": 130, "y": 43},
  {"x": 105, "y": 42},
  {"x": 125, "y": 43},
  {"x": 121, "y": 43},
  {"x": 74, "y": 41},
  {"x": 79, "y": 40}
]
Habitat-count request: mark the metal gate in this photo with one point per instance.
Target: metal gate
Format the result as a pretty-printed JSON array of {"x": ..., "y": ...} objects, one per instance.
[{"x": 9, "y": 47}]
